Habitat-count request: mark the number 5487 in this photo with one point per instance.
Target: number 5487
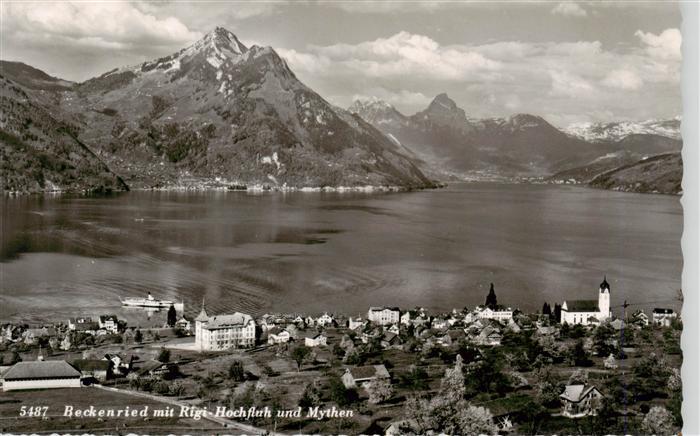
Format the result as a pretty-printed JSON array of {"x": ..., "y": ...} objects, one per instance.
[{"x": 33, "y": 411}]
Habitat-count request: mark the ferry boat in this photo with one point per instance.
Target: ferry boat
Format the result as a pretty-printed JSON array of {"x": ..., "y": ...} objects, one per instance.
[{"x": 150, "y": 302}]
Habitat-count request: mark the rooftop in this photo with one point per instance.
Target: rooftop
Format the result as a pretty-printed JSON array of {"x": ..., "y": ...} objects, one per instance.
[
  {"x": 582, "y": 306},
  {"x": 41, "y": 370}
]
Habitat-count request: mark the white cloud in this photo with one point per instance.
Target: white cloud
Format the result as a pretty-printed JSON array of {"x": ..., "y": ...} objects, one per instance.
[
  {"x": 114, "y": 25},
  {"x": 566, "y": 84},
  {"x": 397, "y": 56},
  {"x": 666, "y": 45},
  {"x": 623, "y": 79},
  {"x": 569, "y": 9}
]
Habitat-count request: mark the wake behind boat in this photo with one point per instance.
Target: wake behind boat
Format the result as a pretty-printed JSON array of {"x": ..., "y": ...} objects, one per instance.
[{"x": 150, "y": 302}]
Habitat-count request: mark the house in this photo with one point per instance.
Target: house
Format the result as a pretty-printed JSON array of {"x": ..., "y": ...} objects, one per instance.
[
  {"x": 354, "y": 323},
  {"x": 41, "y": 374},
  {"x": 32, "y": 335},
  {"x": 223, "y": 332},
  {"x": 663, "y": 317},
  {"x": 503, "y": 314},
  {"x": 310, "y": 322},
  {"x": 109, "y": 323},
  {"x": 384, "y": 315},
  {"x": 391, "y": 340},
  {"x": 120, "y": 363},
  {"x": 361, "y": 376},
  {"x": 439, "y": 323},
  {"x": 154, "y": 369},
  {"x": 315, "y": 340},
  {"x": 451, "y": 337},
  {"x": 324, "y": 320},
  {"x": 278, "y": 336},
  {"x": 580, "y": 400},
  {"x": 183, "y": 324},
  {"x": 100, "y": 370},
  {"x": 587, "y": 312},
  {"x": 86, "y": 325},
  {"x": 489, "y": 335},
  {"x": 394, "y": 328},
  {"x": 406, "y": 318}
]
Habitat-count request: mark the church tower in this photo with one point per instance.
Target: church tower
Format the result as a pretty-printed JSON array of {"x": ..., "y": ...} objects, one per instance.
[
  {"x": 201, "y": 320},
  {"x": 604, "y": 299}
]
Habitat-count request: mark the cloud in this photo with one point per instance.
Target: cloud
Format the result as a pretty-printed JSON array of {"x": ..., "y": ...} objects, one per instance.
[
  {"x": 396, "y": 56},
  {"x": 623, "y": 79},
  {"x": 567, "y": 84},
  {"x": 569, "y": 9},
  {"x": 666, "y": 45},
  {"x": 113, "y": 26}
]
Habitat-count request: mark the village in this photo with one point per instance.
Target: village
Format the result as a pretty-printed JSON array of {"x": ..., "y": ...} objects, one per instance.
[{"x": 575, "y": 367}]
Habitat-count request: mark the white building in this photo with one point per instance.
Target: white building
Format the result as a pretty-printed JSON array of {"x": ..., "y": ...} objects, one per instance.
[
  {"x": 586, "y": 312},
  {"x": 222, "y": 332},
  {"x": 663, "y": 317},
  {"x": 324, "y": 320},
  {"x": 316, "y": 340},
  {"x": 109, "y": 323},
  {"x": 384, "y": 315},
  {"x": 580, "y": 400},
  {"x": 40, "y": 375},
  {"x": 499, "y": 314},
  {"x": 354, "y": 323},
  {"x": 278, "y": 336}
]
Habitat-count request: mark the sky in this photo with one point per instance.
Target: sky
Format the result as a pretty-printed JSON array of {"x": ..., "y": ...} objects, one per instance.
[{"x": 569, "y": 62}]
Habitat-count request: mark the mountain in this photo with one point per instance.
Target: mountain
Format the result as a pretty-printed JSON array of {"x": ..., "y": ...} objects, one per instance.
[
  {"x": 444, "y": 136},
  {"x": 616, "y": 131},
  {"x": 523, "y": 145},
  {"x": 660, "y": 174},
  {"x": 221, "y": 109},
  {"x": 218, "y": 110},
  {"x": 39, "y": 146}
]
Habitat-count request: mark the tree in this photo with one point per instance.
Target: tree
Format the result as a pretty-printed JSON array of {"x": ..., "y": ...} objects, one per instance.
[
  {"x": 546, "y": 387},
  {"x": 578, "y": 377},
  {"x": 491, "y": 300},
  {"x": 379, "y": 390},
  {"x": 340, "y": 394},
  {"x": 557, "y": 312},
  {"x": 299, "y": 355},
  {"x": 138, "y": 336},
  {"x": 476, "y": 420},
  {"x": 546, "y": 309},
  {"x": 164, "y": 355},
  {"x": 15, "y": 358},
  {"x": 172, "y": 316},
  {"x": 579, "y": 356},
  {"x": 452, "y": 383},
  {"x": 311, "y": 396},
  {"x": 658, "y": 421},
  {"x": 236, "y": 372}
]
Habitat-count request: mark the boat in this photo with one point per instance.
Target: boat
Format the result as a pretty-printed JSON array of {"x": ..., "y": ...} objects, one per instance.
[{"x": 150, "y": 302}]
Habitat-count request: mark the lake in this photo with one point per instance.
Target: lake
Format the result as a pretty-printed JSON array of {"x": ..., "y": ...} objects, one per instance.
[{"x": 64, "y": 256}]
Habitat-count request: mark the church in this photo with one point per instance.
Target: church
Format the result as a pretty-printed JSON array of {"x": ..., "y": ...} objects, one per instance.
[{"x": 587, "y": 312}]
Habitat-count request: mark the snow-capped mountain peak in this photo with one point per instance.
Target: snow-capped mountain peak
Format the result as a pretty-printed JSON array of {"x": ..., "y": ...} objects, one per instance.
[{"x": 616, "y": 131}]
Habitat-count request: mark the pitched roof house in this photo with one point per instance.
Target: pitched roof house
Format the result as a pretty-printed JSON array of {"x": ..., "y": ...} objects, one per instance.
[
  {"x": 363, "y": 375},
  {"x": 580, "y": 400},
  {"x": 41, "y": 374}
]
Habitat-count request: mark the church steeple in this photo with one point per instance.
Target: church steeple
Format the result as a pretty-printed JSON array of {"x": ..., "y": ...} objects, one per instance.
[
  {"x": 605, "y": 286},
  {"x": 202, "y": 317}
]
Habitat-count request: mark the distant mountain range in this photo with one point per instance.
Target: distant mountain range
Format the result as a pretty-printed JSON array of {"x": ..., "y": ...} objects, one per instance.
[
  {"x": 449, "y": 144},
  {"x": 218, "y": 110}
]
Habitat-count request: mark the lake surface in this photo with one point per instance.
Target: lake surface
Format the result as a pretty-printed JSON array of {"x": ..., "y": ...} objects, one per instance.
[{"x": 338, "y": 252}]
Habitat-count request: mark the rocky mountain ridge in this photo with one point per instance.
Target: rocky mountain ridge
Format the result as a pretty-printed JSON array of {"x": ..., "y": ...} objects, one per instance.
[
  {"x": 221, "y": 110},
  {"x": 521, "y": 145}
]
